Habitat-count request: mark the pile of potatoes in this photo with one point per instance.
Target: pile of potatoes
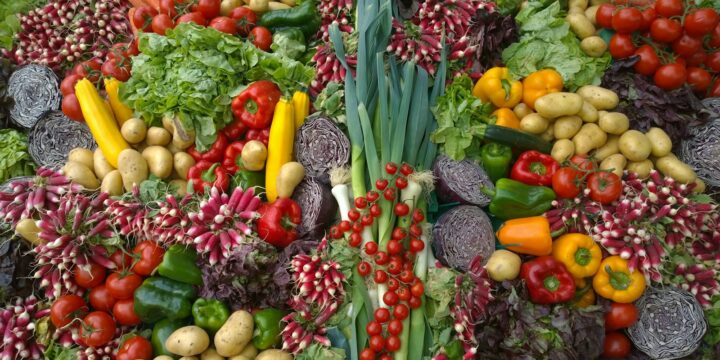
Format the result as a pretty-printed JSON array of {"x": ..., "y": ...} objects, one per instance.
[
  {"x": 583, "y": 123},
  {"x": 233, "y": 342},
  {"x": 155, "y": 151},
  {"x": 581, "y": 19}
]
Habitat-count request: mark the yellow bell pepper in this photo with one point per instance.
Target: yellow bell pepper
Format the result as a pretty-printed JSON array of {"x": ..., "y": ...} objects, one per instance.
[
  {"x": 301, "y": 102},
  {"x": 530, "y": 236},
  {"x": 498, "y": 87},
  {"x": 122, "y": 112},
  {"x": 584, "y": 294},
  {"x": 280, "y": 144},
  {"x": 541, "y": 83},
  {"x": 507, "y": 118},
  {"x": 614, "y": 281},
  {"x": 580, "y": 254}
]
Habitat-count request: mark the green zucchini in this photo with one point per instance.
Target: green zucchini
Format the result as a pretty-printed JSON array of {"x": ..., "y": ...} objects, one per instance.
[{"x": 516, "y": 139}]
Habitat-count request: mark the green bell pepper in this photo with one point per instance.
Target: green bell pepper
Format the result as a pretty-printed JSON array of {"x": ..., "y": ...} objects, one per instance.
[
  {"x": 179, "y": 264},
  {"x": 246, "y": 179},
  {"x": 496, "y": 160},
  {"x": 161, "y": 331},
  {"x": 304, "y": 17},
  {"x": 512, "y": 199},
  {"x": 159, "y": 298},
  {"x": 267, "y": 328},
  {"x": 210, "y": 314}
]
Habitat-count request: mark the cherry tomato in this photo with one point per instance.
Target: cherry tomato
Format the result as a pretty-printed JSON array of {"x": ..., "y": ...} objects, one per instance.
[
  {"x": 621, "y": 46},
  {"x": 616, "y": 345},
  {"x": 604, "y": 15},
  {"x": 261, "y": 37},
  {"x": 98, "y": 329},
  {"x": 124, "y": 312},
  {"x": 698, "y": 79},
  {"x": 100, "y": 298},
  {"x": 605, "y": 187},
  {"x": 713, "y": 61},
  {"x": 67, "y": 308},
  {"x": 377, "y": 343},
  {"x": 245, "y": 19},
  {"x": 620, "y": 316},
  {"x": 715, "y": 39},
  {"x": 417, "y": 289},
  {"x": 89, "y": 275},
  {"x": 401, "y": 311},
  {"x": 380, "y": 276},
  {"x": 665, "y": 30},
  {"x": 150, "y": 255},
  {"x": 393, "y": 284},
  {"x": 142, "y": 18},
  {"x": 382, "y": 315},
  {"x": 119, "y": 52},
  {"x": 670, "y": 76},
  {"x": 390, "y": 298},
  {"x": 118, "y": 70},
  {"x": 167, "y": 7},
  {"x": 415, "y": 302},
  {"x": 404, "y": 293},
  {"x": 700, "y": 22},
  {"x": 210, "y": 9},
  {"x": 395, "y": 327},
  {"x": 122, "y": 286},
  {"x": 194, "y": 16},
  {"x": 121, "y": 259},
  {"x": 373, "y": 328},
  {"x": 161, "y": 23},
  {"x": 686, "y": 45},
  {"x": 394, "y": 247},
  {"x": 668, "y": 8},
  {"x": 89, "y": 69},
  {"x": 627, "y": 20},
  {"x": 135, "y": 348},
  {"x": 649, "y": 62},
  {"x": 71, "y": 108},
  {"x": 697, "y": 58},
  {"x": 367, "y": 354},
  {"x": 392, "y": 343},
  {"x": 67, "y": 86},
  {"x": 583, "y": 162},
  {"x": 364, "y": 268},
  {"x": 224, "y": 24},
  {"x": 648, "y": 16}
]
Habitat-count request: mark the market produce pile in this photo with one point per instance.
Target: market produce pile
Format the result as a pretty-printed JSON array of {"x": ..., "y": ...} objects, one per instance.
[{"x": 369, "y": 179}]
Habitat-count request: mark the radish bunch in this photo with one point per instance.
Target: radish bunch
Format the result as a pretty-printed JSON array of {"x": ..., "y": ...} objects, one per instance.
[
  {"x": 329, "y": 69},
  {"x": 470, "y": 304},
  {"x": 573, "y": 215},
  {"x": 698, "y": 279},
  {"x": 18, "y": 324},
  {"x": 107, "y": 351}
]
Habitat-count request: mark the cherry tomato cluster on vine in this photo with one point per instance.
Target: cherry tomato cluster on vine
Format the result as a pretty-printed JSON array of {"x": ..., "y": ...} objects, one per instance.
[
  {"x": 237, "y": 21},
  {"x": 676, "y": 43},
  {"x": 581, "y": 172}
]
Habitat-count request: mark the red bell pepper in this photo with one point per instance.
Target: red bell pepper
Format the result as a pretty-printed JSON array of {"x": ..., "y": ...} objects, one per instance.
[
  {"x": 235, "y": 130},
  {"x": 278, "y": 221},
  {"x": 214, "y": 154},
  {"x": 206, "y": 174},
  {"x": 259, "y": 135},
  {"x": 231, "y": 161},
  {"x": 255, "y": 106},
  {"x": 548, "y": 280},
  {"x": 534, "y": 168}
]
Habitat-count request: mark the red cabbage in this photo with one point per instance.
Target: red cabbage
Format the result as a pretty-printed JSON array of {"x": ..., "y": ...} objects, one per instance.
[
  {"x": 318, "y": 207},
  {"x": 461, "y": 234},
  {"x": 461, "y": 181},
  {"x": 320, "y": 145}
]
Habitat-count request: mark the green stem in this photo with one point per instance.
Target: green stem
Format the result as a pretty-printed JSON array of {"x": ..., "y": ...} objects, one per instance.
[{"x": 357, "y": 170}]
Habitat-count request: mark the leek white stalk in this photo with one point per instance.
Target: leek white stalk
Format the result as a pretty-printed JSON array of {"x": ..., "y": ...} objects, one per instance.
[{"x": 339, "y": 178}]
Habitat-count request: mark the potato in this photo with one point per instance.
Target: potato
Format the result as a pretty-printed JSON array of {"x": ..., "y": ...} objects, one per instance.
[
  {"x": 226, "y": 6},
  {"x": 600, "y": 98},
  {"x": 588, "y": 113},
  {"x": 580, "y": 24},
  {"x": 598, "y": 2},
  {"x": 188, "y": 341},
  {"x": 274, "y": 354},
  {"x": 290, "y": 3},
  {"x": 248, "y": 353},
  {"x": 235, "y": 334},
  {"x": 133, "y": 168},
  {"x": 190, "y": 358},
  {"x": 614, "y": 123},
  {"x": 163, "y": 357},
  {"x": 558, "y": 104},
  {"x": 253, "y": 155},
  {"x": 288, "y": 178},
  {"x": 83, "y": 156},
  {"x": 100, "y": 164},
  {"x": 210, "y": 354},
  {"x": 566, "y": 127},
  {"x": 576, "y": 10},
  {"x": 168, "y": 124},
  {"x": 81, "y": 174},
  {"x": 591, "y": 13},
  {"x": 583, "y": 4},
  {"x": 634, "y": 145},
  {"x": 274, "y": 5},
  {"x": 521, "y": 110},
  {"x": 615, "y": 163},
  {"x": 699, "y": 186},
  {"x": 182, "y": 162},
  {"x": 180, "y": 186},
  {"x": 610, "y": 148},
  {"x": 642, "y": 168},
  {"x": 562, "y": 150},
  {"x": 676, "y": 169},
  {"x": 158, "y": 136},
  {"x": 590, "y": 137},
  {"x": 28, "y": 230},
  {"x": 548, "y": 135},
  {"x": 258, "y": 6},
  {"x": 133, "y": 130},
  {"x": 181, "y": 137},
  {"x": 159, "y": 160},
  {"x": 534, "y": 124},
  {"x": 112, "y": 183},
  {"x": 503, "y": 265},
  {"x": 593, "y": 46},
  {"x": 659, "y": 142}
]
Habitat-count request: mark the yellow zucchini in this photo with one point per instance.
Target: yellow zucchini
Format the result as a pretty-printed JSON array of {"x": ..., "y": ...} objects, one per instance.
[
  {"x": 122, "y": 112},
  {"x": 280, "y": 144},
  {"x": 301, "y": 102}
]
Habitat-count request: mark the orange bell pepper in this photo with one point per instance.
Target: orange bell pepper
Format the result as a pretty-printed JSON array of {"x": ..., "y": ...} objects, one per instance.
[
  {"x": 498, "y": 87},
  {"x": 584, "y": 294},
  {"x": 507, "y": 118},
  {"x": 541, "y": 83},
  {"x": 530, "y": 235}
]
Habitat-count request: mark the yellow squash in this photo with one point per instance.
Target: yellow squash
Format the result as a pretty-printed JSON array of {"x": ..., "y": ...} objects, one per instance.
[
  {"x": 100, "y": 120},
  {"x": 122, "y": 112},
  {"x": 301, "y": 102},
  {"x": 280, "y": 144}
]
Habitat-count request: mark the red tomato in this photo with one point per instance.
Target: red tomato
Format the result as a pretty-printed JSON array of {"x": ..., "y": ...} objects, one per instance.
[
  {"x": 133, "y": 48},
  {"x": 135, "y": 348},
  {"x": 71, "y": 108},
  {"x": 649, "y": 61},
  {"x": 167, "y": 7},
  {"x": 698, "y": 79},
  {"x": 367, "y": 354},
  {"x": 627, "y": 20},
  {"x": 261, "y": 37},
  {"x": 604, "y": 15},
  {"x": 700, "y": 22},
  {"x": 696, "y": 59},
  {"x": 67, "y": 308},
  {"x": 161, "y": 23},
  {"x": 605, "y": 187},
  {"x": 565, "y": 183},
  {"x": 583, "y": 162},
  {"x": 665, "y": 30},
  {"x": 715, "y": 39},
  {"x": 670, "y": 76},
  {"x": 100, "y": 298},
  {"x": 715, "y": 90},
  {"x": 616, "y": 345},
  {"x": 224, "y": 24},
  {"x": 713, "y": 61},
  {"x": 210, "y": 9},
  {"x": 89, "y": 69},
  {"x": 648, "y": 16},
  {"x": 377, "y": 343},
  {"x": 142, "y": 18},
  {"x": 121, "y": 259},
  {"x": 245, "y": 19},
  {"x": 621, "y": 46},
  {"x": 124, "y": 312},
  {"x": 89, "y": 275},
  {"x": 118, "y": 69},
  {"x": 67, "y": 86},
  {"x": 392, "y": 343},
  {"x": 119, "y": 52},
  {"x": 150, "y": 255},
  {"x": 620, "y": 316},
  {"x": 98, "y": 329},
  {"x": 194, "y": 16},
  {"x": 686, "y": 45},
  {"x": 668, "y": 8},
  {"x": 122, "y": 286}
]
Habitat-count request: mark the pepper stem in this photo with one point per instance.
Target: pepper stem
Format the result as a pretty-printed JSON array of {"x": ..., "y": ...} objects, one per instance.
[
  {"x": 551, "y": 283},
  {"x": 618, "y": 279},
  {"x": 583, "y": 256},
  {"x": 538, "y": 168},
  {"x": 251, "y": 106},
  {"x": 209, "y": 174}
]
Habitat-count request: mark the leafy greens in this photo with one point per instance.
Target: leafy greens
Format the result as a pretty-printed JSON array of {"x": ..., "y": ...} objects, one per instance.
[{"x": 14, "y": 157}]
